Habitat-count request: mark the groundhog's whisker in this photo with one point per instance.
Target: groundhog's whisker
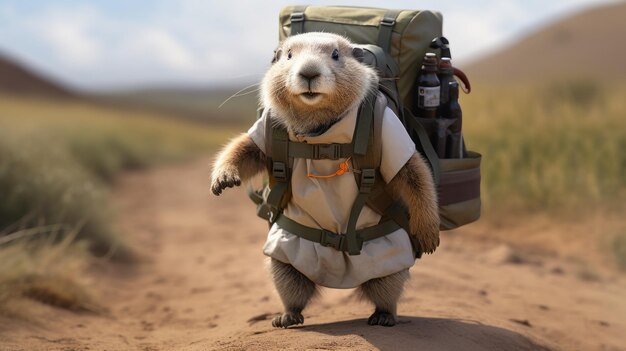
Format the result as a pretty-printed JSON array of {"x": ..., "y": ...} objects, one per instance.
[{"x": 238, "y": 93}]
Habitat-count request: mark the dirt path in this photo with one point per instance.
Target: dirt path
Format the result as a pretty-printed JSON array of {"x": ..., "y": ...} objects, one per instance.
[{"x": 204, "y": 286}]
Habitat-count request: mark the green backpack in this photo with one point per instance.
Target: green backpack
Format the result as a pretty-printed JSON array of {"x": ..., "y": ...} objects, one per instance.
[{"x": 394, "y": 42}]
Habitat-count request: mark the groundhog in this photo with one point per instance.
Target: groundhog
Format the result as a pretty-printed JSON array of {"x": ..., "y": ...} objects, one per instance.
[{"x": 314, "y": 87}]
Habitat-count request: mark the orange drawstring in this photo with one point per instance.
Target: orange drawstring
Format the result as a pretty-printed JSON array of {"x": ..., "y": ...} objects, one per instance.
[{"x": 343, "y": 168}]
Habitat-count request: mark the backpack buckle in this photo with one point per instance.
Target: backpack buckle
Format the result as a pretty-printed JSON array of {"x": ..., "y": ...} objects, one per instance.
[
  {"x": 297, "y": 17},
  {"x": 326, "y": 151},
  {"x": 330, "y": 239},
  {"x": 279, "y": 171},
  {"x": 368, "y": 177},
  {"x": 265, "y": 211},
  {"x": 388, "y": 22}
]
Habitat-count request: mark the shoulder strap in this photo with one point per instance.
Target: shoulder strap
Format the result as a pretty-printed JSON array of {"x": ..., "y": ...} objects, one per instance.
[
  {"x": 279, "y": 167},
  {"x": 268, "y": 134},
  {"x": 363, "y": 130},
  {"x": 365, "y": 167},
  {"x": 378, "y": 200},
  {"x": 367, "y": 133},
  {"x": 372, "y": 131}
]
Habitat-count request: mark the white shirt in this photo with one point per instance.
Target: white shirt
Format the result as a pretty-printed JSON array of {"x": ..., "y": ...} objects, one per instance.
[{"x": 326, "y": 204}]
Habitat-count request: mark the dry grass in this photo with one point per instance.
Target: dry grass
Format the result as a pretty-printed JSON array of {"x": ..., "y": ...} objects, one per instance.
[
  {"x": 618, "y": 245},
  {"x": 551, "y": 148},
  {"x": 553, "y": 151},
  {"x": 45, "y": 270},
  {"x": 57, "y": 161}
]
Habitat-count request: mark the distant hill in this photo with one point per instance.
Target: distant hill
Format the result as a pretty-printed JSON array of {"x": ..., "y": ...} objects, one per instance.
[
  {"x": 586, "y": 45},
  {"x": 18, "y": 79},
  {"x": 198, "y": 104}
]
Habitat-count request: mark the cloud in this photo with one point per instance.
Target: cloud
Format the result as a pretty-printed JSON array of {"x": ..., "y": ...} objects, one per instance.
[
  {"x": 208, "y": 42},
  {"x": 69, "y": 36},
  {"x": 477, "y": 30},
  {"x": 154, "y": 44}
]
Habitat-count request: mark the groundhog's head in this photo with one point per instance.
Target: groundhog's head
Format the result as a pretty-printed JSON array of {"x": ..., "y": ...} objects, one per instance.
[{"x": 314, "y": 79}]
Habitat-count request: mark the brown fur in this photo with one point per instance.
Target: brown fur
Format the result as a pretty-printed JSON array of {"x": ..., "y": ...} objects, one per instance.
[
  {"x": 384, "y": 293},
  {"x": 240, "y": 160},
  {"x": 339, "y": 85},
  {"x": 414, "y": 185},
  {"x": 344, "y": 86},
  {"x": 295, "y": 291}
]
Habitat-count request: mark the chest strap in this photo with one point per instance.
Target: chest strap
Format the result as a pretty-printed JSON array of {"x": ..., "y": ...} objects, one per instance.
[
  {"x": 320, "y": 151},
  {"x": 334, "y": 240}
]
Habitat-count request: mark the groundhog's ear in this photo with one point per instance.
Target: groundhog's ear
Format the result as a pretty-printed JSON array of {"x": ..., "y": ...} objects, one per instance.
[
  {"x": 357, "y": 53},
  {"x": 277, "y": 54}
]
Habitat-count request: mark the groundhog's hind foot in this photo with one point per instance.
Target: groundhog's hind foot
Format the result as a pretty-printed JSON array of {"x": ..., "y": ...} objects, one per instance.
[
  {"x": 385, "y": 319},
  {"x": 287, "y": 319}
]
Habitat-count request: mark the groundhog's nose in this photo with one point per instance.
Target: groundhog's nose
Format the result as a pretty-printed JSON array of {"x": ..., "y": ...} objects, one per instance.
[{"x": 309, "y": 73}]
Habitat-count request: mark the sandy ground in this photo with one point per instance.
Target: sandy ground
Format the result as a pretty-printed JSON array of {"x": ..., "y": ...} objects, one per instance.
[{"x": 203, "y": 285}]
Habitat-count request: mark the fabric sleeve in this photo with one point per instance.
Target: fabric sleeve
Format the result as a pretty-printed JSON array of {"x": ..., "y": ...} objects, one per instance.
[
  {"x": 257, "y": 131},
  {"x": 397, "y": 146}
]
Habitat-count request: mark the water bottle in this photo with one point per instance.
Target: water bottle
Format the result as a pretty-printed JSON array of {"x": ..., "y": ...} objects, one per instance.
[
  {"x": 454, "y": 145},
  {"x": 428, "y": 88},
  {"x": 446, "y": 76}
]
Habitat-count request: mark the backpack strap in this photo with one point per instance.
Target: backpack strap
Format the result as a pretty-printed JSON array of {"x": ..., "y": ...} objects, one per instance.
[
  {"x": 422, "y": 143},
  {"x": 320, "y": 151},
  {"x": 368, "y": 134},
  {"x": 256, "y": 195},
  {"x": 379, "y": 198},
  {"x": 334, "y": 240},
  {"x": 388, "y": 71},
  {"x": 279, "y": 167},
  {"x": 297, "y": 19},
  {"x": 367, "y": 167},
  {"x": 385, "y": 29}
]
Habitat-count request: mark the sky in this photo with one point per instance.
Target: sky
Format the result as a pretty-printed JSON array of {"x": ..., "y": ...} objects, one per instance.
[{"x": 117, "y": 44}]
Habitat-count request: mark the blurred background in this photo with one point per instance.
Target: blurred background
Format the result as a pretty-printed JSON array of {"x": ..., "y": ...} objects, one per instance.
[{"x": 90, "y": 89}]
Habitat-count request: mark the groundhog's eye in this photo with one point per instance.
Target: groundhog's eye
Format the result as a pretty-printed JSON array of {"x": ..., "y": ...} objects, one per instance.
[
  {"x": 335, "y": 55},
  {"x": 288, "y": 54}
]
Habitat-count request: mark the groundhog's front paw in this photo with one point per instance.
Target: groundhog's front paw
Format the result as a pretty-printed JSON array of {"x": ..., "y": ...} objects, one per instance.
[
  {"x": 287, "y": 319},
  {"x": 426, "y": 229},
  {"x": 224, "y": 180}
]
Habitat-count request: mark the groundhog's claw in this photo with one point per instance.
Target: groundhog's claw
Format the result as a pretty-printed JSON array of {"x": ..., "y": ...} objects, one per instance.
[
  {"x": 382, "y": 318},
  {"x": 224, "y": 181},
  {"x": 287, "y": 319},
  {"x": 426, "y": 231}
]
